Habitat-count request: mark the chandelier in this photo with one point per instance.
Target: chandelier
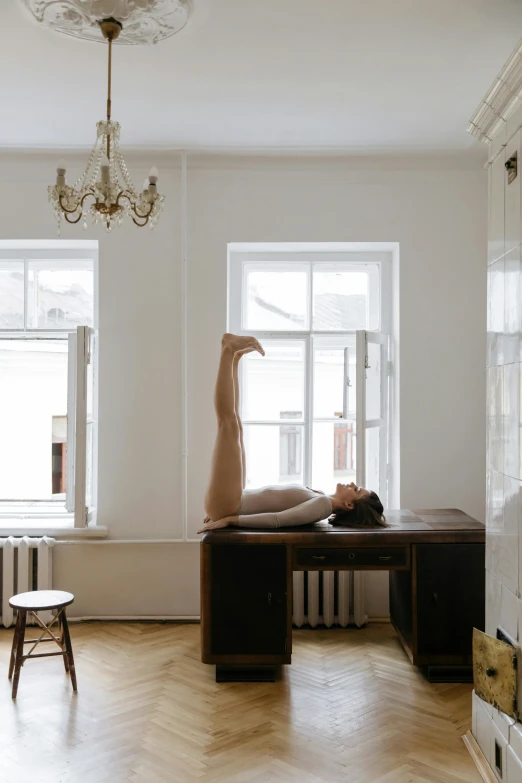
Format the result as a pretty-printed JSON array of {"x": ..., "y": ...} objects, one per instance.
[{"x": 105, "y": 190}]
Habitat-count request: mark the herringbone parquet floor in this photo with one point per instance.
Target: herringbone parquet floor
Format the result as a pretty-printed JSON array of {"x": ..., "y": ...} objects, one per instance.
[{"x": 350, "y": 709}]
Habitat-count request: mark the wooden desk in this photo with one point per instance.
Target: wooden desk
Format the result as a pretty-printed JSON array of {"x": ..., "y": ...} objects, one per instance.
[{"x": 436, "y": 560}]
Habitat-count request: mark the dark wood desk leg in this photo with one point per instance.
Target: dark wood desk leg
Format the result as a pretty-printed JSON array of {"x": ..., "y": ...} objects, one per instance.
[
  {"x": 435, "y": 609},
  {"x": 450, "y": 673},
  {"x": 245, "y": 673}
]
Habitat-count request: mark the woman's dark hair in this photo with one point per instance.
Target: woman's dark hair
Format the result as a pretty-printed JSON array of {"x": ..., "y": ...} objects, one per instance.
[{"x": 366, "y": 512}]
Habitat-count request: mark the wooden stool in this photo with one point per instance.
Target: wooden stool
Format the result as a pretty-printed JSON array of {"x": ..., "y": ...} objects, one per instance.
[{"x": 30, "y": 603}]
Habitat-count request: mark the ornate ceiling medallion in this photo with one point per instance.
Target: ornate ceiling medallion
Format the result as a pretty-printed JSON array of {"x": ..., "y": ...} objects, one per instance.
[{"x": 144, "y": 21}]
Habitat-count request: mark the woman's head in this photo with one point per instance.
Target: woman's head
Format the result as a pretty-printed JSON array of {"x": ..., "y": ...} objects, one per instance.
[{"x": 355, "y": 506}]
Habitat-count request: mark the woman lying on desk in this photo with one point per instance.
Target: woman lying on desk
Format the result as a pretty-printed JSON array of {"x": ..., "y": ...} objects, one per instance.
[{"x": 228, "y": 503}]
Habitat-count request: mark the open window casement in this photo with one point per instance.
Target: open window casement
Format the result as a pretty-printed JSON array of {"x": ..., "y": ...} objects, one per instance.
[
  {"x": 372, "y": 411},
  {"x": 372, "y": 432},
  {"x": 82, "y": 426}
]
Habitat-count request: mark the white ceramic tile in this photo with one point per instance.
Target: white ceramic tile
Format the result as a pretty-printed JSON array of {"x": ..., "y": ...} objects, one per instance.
[
  {"x": 503, "y": 723},
  {"x": 511, "y": 419},
  {"x": 496, "y": 209},
  {"x": 519, "y": 539},
  {"x": 484, "y": 733},
  {"x": 512, "y": 198},
  {"x": 514, "y": 122},
  {"x": 509, "y": 614},
  {"x": 489, "y": 499},
  {"x": 497, "y": 737},
  {"x": 512, "y": 304},
  {"x": 495, "y": 400},
  {"x": 488, "y": 708},
  {"x": 493, "y": 604},
  {"x": 507, "y": 567},
  {"x": 520, "y": 421},
  {"x": 495, "y": 525},
  {"x": 513, "y": 767},
  {"x": 495, "y": 314},
  {"x": 499, "y": 142},
  {"x": 515, "y": 739}
]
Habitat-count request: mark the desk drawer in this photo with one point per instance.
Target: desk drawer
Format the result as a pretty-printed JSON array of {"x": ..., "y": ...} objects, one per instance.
[{"x": 368, "y": 557}]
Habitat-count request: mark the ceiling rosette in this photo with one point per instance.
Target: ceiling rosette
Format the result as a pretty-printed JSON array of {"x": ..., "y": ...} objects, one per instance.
[{"x": 144, "y": 21}]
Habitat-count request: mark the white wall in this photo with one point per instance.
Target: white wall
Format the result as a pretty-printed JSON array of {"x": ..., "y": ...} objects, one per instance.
[{"x": 434, "y": 207}]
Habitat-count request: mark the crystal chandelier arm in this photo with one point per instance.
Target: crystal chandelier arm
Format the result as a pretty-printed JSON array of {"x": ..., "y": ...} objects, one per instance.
[
  {"x": 67, "y": 212},
  {"x": 70, "y": 220},
  {"x": 145, "y": 217}
]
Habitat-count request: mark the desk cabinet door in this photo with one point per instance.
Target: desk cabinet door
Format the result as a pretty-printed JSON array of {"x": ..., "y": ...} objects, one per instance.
[
  {"x": 450, "y": 597},
  {"x": 248, "y": 600}
]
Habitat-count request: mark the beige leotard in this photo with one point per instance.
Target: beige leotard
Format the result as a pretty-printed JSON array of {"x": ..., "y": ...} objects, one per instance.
[{"x": 276, "y": 506}]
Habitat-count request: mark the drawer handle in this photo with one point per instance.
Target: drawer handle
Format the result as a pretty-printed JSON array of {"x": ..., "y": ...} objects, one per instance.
[
  {"x": 384, "y": 557},
  {"x": 491, "y": 672},
  {"x": 318, "y": 557}
]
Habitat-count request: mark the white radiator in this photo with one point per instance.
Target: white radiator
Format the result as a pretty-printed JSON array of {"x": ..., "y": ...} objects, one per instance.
[
  {"x": 26, "y": 564},
  {"x": 328, "y": 598}
]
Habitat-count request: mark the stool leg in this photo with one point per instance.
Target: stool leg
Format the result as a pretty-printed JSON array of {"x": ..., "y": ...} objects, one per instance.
[
  {"x": 68, "y": 648},
  {"x": 19, "y": 651},
  {"x": 62, "y": 636},
  {"x": 15, "y": 644}
]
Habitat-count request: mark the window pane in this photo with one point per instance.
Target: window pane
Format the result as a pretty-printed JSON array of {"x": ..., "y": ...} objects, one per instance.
[
  {"x": 62, "y": 298},
  {"x": 11, "y": 295},
  {"x": 275, "y": 297},
  {"x": 334, "y": 454},
  {"x": 331, "y": 377},
  {"x": 374, "y": 382},
  {"x": 274, "y": 455},
  {"x": 33, "y": 406},
  {"x": 273, "y": 385},
  {"x": 373, "y": 459},
  {"x": 341, "y": 299}
]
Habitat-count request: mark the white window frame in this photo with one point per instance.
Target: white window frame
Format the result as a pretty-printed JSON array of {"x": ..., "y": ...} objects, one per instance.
[
  {"x": 332, "y": 255},
  {"x": 40, "y": 514}
]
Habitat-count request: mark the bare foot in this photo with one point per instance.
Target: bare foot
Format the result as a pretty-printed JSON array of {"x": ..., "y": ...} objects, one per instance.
[{"x": 242, "y": 344}]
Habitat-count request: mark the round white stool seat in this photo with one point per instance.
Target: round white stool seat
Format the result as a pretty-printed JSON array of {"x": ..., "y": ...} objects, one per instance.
[{"x": 38, "y": 600}]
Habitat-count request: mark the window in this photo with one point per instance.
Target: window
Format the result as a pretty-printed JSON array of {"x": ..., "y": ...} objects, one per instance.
[
  {"x": 314, "y": 408},
  {"x": 48, "y": 396}
]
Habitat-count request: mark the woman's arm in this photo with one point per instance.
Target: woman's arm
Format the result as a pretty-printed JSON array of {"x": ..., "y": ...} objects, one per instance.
[
  {"x": 218, "y": 524},
  {"x": 305, "y": 513}
]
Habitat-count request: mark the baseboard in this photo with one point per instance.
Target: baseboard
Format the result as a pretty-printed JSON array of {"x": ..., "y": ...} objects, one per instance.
[
  {"x": 165, "y": 619},
  {"x": 479, "y": 758},
  {"x": 135, "y": 619}
]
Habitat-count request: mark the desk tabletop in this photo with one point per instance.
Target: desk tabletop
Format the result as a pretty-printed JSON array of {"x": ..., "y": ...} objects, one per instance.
[{"x": 430, "y": 526}]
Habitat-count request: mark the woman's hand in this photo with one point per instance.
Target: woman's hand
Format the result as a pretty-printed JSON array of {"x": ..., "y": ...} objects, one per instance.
[{"x": 220, "y": 523}]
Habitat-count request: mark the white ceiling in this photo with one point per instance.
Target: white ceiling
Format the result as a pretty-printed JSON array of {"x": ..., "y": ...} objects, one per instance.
[{"x": 321, "y": 74}]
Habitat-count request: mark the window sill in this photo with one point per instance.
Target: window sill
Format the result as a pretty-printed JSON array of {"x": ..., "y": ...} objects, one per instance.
[{"x": 48, "y": 527}]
